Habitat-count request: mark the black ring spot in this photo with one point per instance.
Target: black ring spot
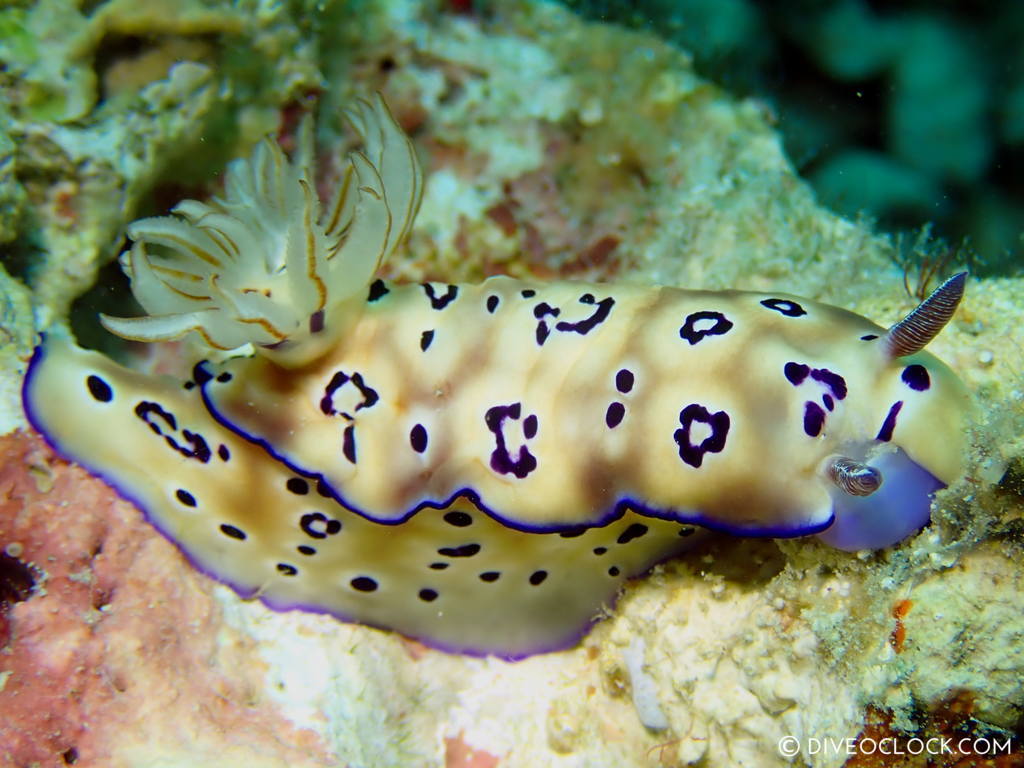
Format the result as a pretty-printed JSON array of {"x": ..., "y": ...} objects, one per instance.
[
  {"x": 784, "y": 307},
  {"x": 691, "y": 333},
  {"x": 717, "y": 422},
  {"x": 316, "y": 525},
  {"x": 287, "y": 570}
]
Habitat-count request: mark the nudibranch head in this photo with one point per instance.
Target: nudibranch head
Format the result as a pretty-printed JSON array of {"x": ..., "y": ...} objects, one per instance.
[
  {"x": 265, "y": 265},
  {"x": 882, "y": 487}
]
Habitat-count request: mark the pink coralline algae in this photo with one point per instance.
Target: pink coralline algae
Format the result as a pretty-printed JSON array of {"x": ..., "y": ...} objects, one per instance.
[{"x": 111, "y": 646}]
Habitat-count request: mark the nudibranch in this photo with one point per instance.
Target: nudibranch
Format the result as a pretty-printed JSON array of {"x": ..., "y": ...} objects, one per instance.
[{"x": 479, "y": 466}]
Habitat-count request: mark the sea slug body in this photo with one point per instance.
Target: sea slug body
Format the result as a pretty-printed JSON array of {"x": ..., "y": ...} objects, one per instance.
[{"x": 480, "y": 466}]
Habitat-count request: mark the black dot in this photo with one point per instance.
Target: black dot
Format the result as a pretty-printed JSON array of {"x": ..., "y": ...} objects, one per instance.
[
  {"x": 428, "y": 595},
  {"x": 916, "y": 377},
  {"x": 530, "y": 426},
  {"x": 234, "y": 533},
  {"x": 185, "y": 497},
  {"x": 814, "y": 419},
  {"x": 624, "y": 381},
  {"x": 297, "y": 485},
  {"x": 614, "y": 415},
  {"x": 316, "y": 321},
  {"x": 305, "y": 550},
  {"x": 600, "y": 550},
  {"x": 635, "y": 531},
  {"x": 687, "y": 530},
  {"x": 492, "y": 303},
  {"x": 364, "y": 584},
  {"x": 224, "y": 378},
  {"x": 869, "y": 337},
  {"x": 439, "y": 566},
  {"x": 529, "y": 293},
  {"x": 99, "y": 389},
  {"x": 796, "y": 373},
  {"x": 490, "y": 576},
  {"x": 573, "y": 533},
  {"x": 200, "y": 374},
  {"x": 378, "y": 289},
  {"x": 537, "y": 577},
  {"x": 333, "y": 526},
  {"x": 287, "y": 570},
  {"x": 189, "y": 385},
  {"x": 613, "y": 571},
  {"x": 223, "y": 452},
  {"x": 466, "y": 550},
  {"x": 458, "y": 519},
  {"x": 323, "y": 490},
  {"x": 425, "y": 338},
  {"x": 418, "y": 438}
]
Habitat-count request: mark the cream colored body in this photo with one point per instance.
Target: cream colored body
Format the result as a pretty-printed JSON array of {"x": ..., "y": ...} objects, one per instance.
[{"x": 766, "y": 477}]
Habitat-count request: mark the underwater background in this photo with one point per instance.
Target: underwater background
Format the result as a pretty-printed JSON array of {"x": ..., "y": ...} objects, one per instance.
[{"x": 852, "y": 152}]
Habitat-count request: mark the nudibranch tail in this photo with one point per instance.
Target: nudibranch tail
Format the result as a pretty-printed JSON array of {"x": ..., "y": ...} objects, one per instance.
[{"x": 263, "y": 265}]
